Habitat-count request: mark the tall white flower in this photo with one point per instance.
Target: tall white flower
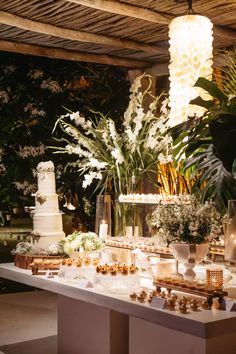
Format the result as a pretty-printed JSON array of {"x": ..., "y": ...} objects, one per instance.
[
  {"x": 88, "y": 178},
  {"x": 116, "y": 153}
]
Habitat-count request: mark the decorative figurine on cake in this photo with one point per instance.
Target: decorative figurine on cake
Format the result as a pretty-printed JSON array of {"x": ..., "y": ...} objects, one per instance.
[{"x": 47, "y": 219}]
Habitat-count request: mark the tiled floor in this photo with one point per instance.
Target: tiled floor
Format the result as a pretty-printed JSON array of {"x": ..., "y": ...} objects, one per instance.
[{"x": 28, "y": 323}]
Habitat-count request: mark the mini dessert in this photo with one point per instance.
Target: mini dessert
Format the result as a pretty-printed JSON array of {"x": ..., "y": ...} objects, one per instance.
[
  {"x": 170, "y": 304},
  {"x": 132, "y": 269},
  {"x": 193, "y": 305},
  {"x": 125, "y": 270},
  {"x": 143, "y": 293},
  {"x": 183, "y": 308},
  {"x": 156, "y": 292},
  {"x": 87, "y": 261},
  {"x": 133, "y": 296},
  {"x": 113, "y": 270},
  {"x": 95, "y": 261},
  {"x": 183, "y": 300},
  {"x": 141, "y": 298},
  {"x": 205, "y": 305},
  {"x": 104, "y": 270}
]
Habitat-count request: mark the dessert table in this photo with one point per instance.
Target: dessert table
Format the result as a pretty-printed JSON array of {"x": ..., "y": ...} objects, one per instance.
[{"x": 92, "y": 321}]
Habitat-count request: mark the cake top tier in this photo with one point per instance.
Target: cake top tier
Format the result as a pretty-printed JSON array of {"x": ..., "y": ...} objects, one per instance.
[{"x": 47, "y": 166}]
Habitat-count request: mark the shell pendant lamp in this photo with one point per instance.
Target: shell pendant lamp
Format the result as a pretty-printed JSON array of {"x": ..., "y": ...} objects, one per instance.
[{"x": 190, "y": 58}]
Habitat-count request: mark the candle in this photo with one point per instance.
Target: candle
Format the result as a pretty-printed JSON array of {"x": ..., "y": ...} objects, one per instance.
[
  {"x": 164, "y": 268},
  {"x": 103, "y": 228},
  {"x": 128, "y": 231},
  {"x": 136, "y": 231}
]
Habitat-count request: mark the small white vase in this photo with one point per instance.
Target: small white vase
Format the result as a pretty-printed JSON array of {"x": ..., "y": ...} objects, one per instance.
[{"x": 190, "y": 255}]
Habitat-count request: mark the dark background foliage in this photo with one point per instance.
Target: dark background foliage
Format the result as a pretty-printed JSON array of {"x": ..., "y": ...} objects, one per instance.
[{"x": 50, "y": 86}]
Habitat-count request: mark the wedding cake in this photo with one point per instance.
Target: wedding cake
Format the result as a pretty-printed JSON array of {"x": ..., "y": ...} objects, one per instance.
[{"x": 47, "y": 219}]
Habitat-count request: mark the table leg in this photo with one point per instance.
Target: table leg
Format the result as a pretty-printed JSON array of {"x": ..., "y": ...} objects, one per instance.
[{"x": 85, "y": 328}]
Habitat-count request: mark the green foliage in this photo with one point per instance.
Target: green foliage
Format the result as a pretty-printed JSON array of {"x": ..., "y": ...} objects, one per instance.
[{"x": 208, "y": 144}]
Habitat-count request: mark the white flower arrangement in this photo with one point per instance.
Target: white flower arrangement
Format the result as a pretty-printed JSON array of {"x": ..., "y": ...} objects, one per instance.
[
  {"x": 113, "y": 157},
  {"x": 186, "y": 221},
  {"x": 28, "y": 249},
  {"x": 83, "y": 241}
]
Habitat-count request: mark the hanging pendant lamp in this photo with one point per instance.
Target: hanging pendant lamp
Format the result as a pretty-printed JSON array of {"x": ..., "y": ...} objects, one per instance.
[{"x": 190, "y": 58}]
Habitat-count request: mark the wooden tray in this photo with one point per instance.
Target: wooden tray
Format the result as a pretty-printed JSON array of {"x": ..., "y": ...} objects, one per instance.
[{"x": 209, "y": 295}]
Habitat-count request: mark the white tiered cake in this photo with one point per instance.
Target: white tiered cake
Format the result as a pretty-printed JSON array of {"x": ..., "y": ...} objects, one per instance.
[{"x": 47, "y": 219}]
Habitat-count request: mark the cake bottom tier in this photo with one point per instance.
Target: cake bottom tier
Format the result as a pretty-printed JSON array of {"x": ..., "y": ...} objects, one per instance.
[{"x": 48, "y": 239}]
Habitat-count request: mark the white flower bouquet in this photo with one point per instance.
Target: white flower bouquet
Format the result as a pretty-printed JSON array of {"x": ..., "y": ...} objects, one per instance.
[
  {"x": 113, "y": 157},
  {"x": 83, "y": 242},
  {"x": 186, "y": 221},
  {"x": 29, "y": 249}
]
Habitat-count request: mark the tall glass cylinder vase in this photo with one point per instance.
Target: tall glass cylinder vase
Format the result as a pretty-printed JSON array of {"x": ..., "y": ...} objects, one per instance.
[
  {"x": 230, "y": 237},
  {"x": 103, "y": 215},
  {"x": 128, "y": 219}
]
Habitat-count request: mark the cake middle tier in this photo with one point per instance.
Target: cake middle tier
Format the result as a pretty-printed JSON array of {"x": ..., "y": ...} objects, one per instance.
[
  {"x": 47, "y": 222},
  {"x": 48, "y": 203}
]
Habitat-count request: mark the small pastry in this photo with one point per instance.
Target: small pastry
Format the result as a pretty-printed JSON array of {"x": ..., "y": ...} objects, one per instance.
[
  {"x": 125, "y": 271},
  {"x": 133, "y": 296},
  {"x": 104, "y": 270},
  {"x": 141, "y": 299},
  {"x": 205, "y": 305},
  {"x": 183, "y": 300},
  {"x": 143, "y": 293},
  {"x": 170, "y": 304},
  {"x": 113, "y": 270},
  {"x": 95, "y": 261},
  {"x": 149, "y": 299},
  {"x": 87, "y": 261},
  {"x": 156, "y": 292},
  {"x": 183, "y": 308},
  {"x": 193, "y": 305},
  {"x": 132, "y": 269},
  {"x": 174, "y": 297}
]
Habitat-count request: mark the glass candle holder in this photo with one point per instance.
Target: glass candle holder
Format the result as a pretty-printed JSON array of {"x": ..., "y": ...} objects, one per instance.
[
  {"x": 103, "y": 215},
  {"x": 230, "y": 237},
  {"x": 214, "y": 277},
  {"x": 164, "y": 269}
]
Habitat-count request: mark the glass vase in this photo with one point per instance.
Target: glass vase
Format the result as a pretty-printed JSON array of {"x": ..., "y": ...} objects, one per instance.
[
  {"x": 230, "y": 237},
  {"x": 128, "y": 219},
  {"x": 103, "y": 215}
]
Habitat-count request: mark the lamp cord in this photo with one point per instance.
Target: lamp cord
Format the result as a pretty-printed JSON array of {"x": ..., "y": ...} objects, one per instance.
[{"x": 190, "y": 7}]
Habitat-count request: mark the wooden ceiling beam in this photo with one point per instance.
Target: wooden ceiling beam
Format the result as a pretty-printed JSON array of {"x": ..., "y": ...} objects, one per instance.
[
  {"x": 31, "y": 49},
  {"x": 79, "y": 36},
  {"x": 221, "y": 31},
  {"x": 119, "y": 8}
]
